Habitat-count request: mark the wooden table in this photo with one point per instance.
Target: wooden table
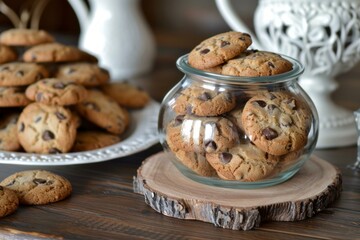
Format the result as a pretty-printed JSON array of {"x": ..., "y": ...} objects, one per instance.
[{"x": 104, "y": 206}]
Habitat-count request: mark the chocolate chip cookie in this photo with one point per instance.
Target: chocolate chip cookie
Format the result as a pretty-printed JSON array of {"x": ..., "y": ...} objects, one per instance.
[
  {"x": 86, "y": 74},
  {"x": 13, "y": 97},
  {"x": 277, "y": 122},
  {"x": 21, "y": 74},
  {"x": 201, "y": 134},
  {"x": 200, "y": 101},
  {"x": 46, "y": 129},
  {"x": 257, "y": 64},
  {"x": 90, "y": 140},
  {"x": 36, "y": 187},
  {"x": 9, "y": 201},
  {"x": 25, "y": 37},
  {"x": 7, "y": 54},
  {"x": 104, "y": 112},
  {"x": 245, "y": 162},
  {"x": 8, "y": 132},
  {"x": 53, "y": 91},
  {"x": 218, "y": 49}
]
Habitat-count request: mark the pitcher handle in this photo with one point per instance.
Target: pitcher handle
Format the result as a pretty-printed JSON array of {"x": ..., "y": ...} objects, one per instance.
[{"x": 233, "y": 20}]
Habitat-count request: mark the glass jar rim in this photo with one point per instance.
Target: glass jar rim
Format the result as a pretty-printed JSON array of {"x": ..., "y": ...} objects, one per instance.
[{"x": 183, "y": 65}]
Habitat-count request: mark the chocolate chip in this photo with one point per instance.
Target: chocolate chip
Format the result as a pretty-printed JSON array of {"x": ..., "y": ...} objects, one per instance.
[
  {"x": 228, "y": 97},
  {"x": 271, "y": 65},
  {"x": 225, "y": 157},
  {"x": 272, "y": 96},
  {"x": 261, "y": 103},
  {"x": 224, "y": 43},
  {"x": 39, "y": 181},
  {"x": 271, "y": 107},
  {"x": 269, "y": 133},
  {"x": 54, "y": 150},
  {"x": 179, "y": 120},
  {"x": 189, "y": 109},
  {"x": 33, "y": 57},
  {"x": 48, "y": 135},
  {"x": 70, "y": 70},
  {"x": 59, "y": 85},
  {"x": 60, "y": 116},
  {"x": 10, "y": 183},
  {"x": 292, "y": 104},
  {"x": 20, "y": 73},
  {"x": 205, "y": 96},
  {"x": 242, "y": 38},
  {"x": 38, "y": 96},
  {"x": 5, "y": 68},
  {"x": 37, "y": 119},
  {"x": 205, "y": 51},
  {"x": 210, "y": 144},
  {"x": 22, "y": 127}
]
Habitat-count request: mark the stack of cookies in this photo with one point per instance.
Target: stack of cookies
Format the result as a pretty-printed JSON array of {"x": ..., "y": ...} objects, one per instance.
[
  {"x": 245, "y": 133},
  {"x": 55, "y": 98}
]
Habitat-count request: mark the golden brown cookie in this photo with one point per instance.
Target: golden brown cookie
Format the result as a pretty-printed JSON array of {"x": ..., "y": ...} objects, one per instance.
[
  {"x": 9, "y": 201},
  {"x": 7, "y": 54},
  {"x": 218, "y": 49},
  {"x": 126, "y": 95},
  {"x": 21, "y": 74},
  {"x": 13, "y": 97},
  {"x": 8, "y": 132},
  {"x": 53, "y": 91},
  {"x": 36, "y": 187},
  {"x": 104, "y": 112},
  {"x": 25, "y": 37},
  {"x": 86, "y": 74},
  {"x": 91, "y": 140},
  {"x": 46, "y": 129}
]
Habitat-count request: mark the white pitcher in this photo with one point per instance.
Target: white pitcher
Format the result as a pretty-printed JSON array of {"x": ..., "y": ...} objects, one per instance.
[
  {"x": 116, "y": 32},
  {"x": 325, "y": 36}
]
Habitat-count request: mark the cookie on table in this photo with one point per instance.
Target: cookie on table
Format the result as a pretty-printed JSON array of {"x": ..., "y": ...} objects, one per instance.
[
  {"x": 257, "y": 64},
  {"x": 86, "y": 74},
  {"x": 21, "y": 74},
  {"x": 36, "y": 187},
  {"x": 91, "y": 140},
  {"x": 8, "y": 132},
  {"x": 276, "y": 122},
  {"x": 46, "y": 129},
  {"x": 245, "y": 162},
  {"x": 218, "y": 49},
  {"x": 9, "y": 201},
  {"x": 25, "y": 37},
  {"x": 204, "y": 102},
  {"x": 126, "y": 95},
  {"x": 104, "y": 112},
  {"x": 13, "y": 97},
  {"x": 196, "y": 162},
  {"x": 52, "y": 52},
  {"x": 54, "y": 91},
  {"x": 205, "y": 134},
  {"x": 7, "y": 54}
]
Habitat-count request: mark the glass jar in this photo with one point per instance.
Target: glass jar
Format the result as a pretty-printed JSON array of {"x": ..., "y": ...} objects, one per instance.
[{"x": 238, "y": 132}]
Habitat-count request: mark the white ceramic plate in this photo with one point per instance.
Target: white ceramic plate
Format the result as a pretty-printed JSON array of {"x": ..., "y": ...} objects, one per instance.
[{"x": 141, "y": 135}]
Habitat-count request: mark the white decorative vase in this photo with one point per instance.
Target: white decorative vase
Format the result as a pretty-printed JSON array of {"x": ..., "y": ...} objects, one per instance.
[
  {"x": 116, "y": 32},
  {"x": 325, "y": 36}
]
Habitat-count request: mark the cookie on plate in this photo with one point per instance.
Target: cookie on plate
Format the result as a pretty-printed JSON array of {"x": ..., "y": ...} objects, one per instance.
[
  {"x": 86, "y": 74},
  {"x": 52, "y": 52},
  {"x": 245, "y": 162},
  {"x": 276, "y": 122},
  {"x": 46, "y": 129},
  {"x": 8, "y": 132},
  {"x": 218, "y": 49},
  {"x": 25, "y": 37},
  {"x": 205, "y": 134},
  {"x": 204, "y": 102},
  {"x": 126, "y": 95},
  {"x": 7, "y": 54},
  {"x": 104, "y": 112},
  {"x": 13, "y": 97},
  {"x": 21, "y": 74},
  {"x": 9, "y": 201},
  {"x": 53, "y": 91},
  {"x": 257, "y": 64},
  {"x": 91, "y": 140},
  {"x": 36, "y": 187}
]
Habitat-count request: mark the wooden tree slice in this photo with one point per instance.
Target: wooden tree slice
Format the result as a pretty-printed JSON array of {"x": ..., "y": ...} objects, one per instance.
[{"x": 169, "y": 192}]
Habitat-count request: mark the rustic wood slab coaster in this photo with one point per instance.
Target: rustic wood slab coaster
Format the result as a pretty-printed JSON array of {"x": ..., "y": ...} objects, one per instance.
[{"x": 171, "y": 193}]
